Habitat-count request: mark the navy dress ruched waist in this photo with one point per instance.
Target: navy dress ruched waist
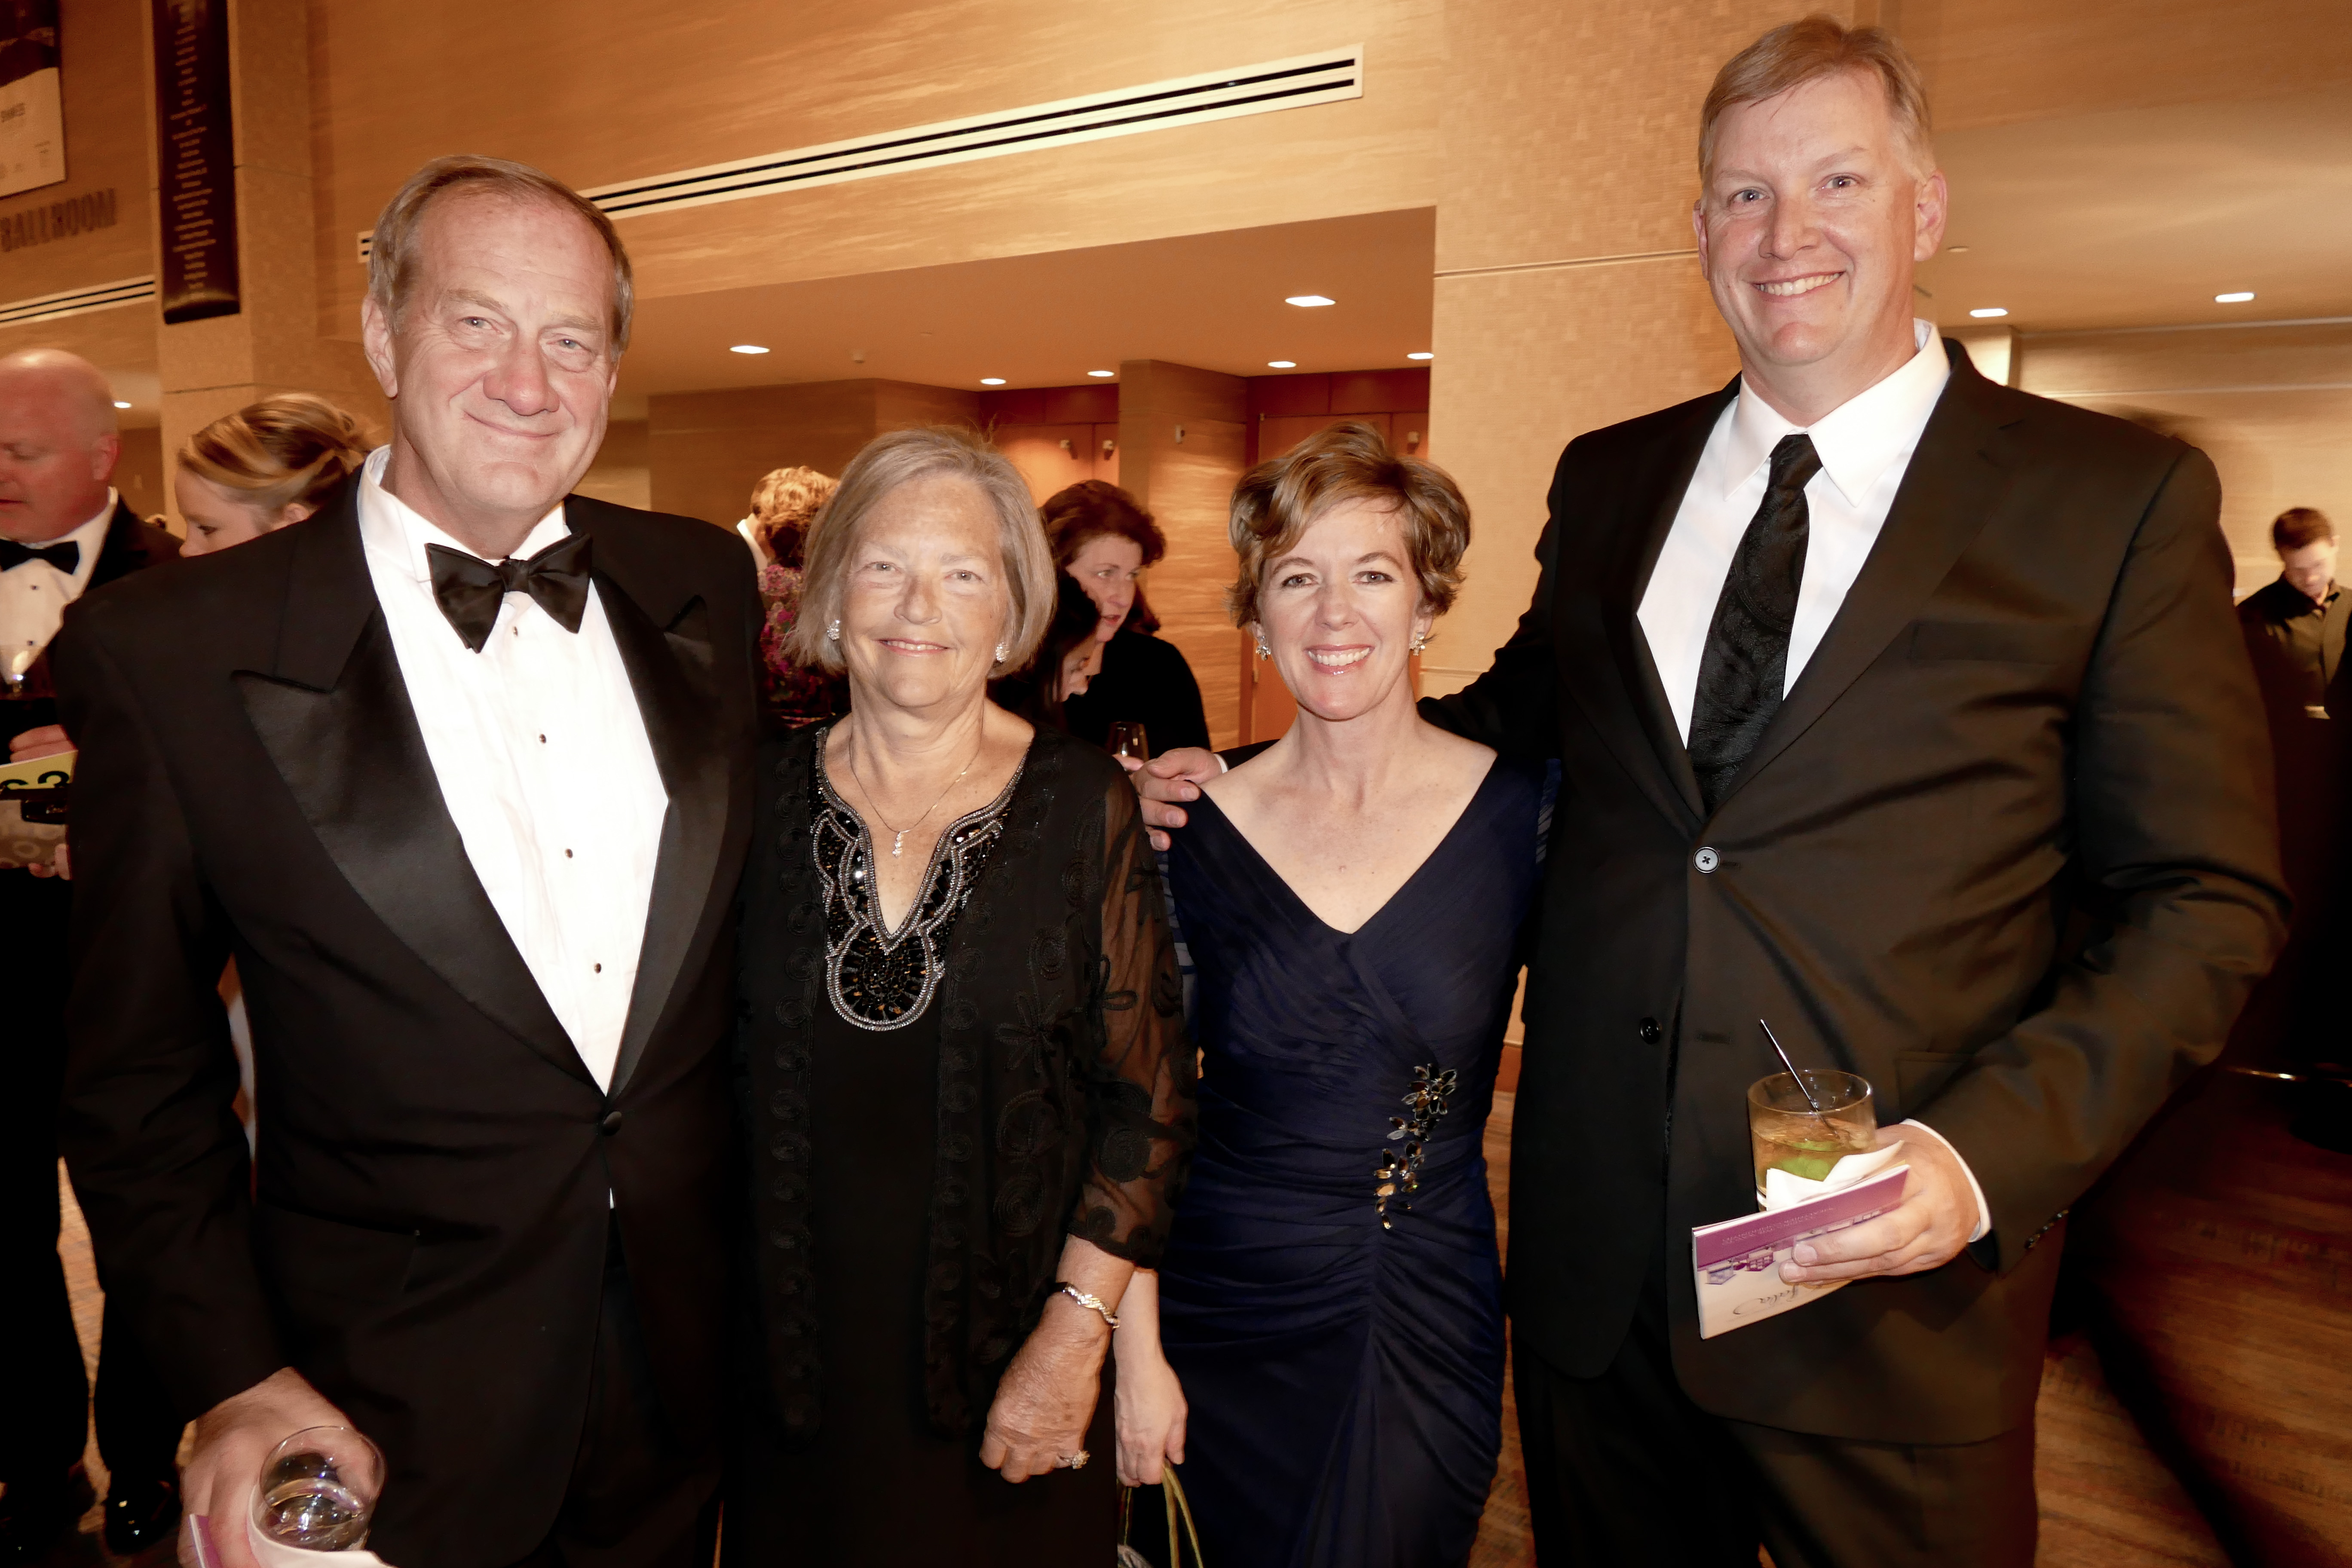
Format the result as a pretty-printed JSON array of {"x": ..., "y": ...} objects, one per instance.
[{"x": 1331, "y": 1298}]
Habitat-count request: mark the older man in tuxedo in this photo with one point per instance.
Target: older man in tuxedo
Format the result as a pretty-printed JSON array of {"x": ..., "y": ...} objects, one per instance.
[
  {"x": 64, "y": 531},
  {"x": 458, "y": 771},
  {"x": 1908, "y": 712}
]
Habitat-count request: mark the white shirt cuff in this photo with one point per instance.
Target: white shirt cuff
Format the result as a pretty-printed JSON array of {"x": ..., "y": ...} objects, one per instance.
[{"x": 1984, "y": 1210}]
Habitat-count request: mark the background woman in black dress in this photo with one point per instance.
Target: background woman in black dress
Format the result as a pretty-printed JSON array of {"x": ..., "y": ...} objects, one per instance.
[
  {"x": 962, "y": 1066},
  {"x": 1105, "y": 542}
]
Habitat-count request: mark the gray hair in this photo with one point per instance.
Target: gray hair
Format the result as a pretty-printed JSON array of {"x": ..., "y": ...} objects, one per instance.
[
  {"x": 393, "y": 252},
  {"x": 904, "y": 457}
]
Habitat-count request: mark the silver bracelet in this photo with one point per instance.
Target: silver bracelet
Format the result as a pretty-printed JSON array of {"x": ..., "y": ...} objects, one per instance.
[{"x": 1091, "y": 1303}]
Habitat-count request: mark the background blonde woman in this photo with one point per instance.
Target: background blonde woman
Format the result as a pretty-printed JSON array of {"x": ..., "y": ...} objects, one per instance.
[
  {"x": 783, "y": 506},
  {"x": 963, "y": 1067},
  {"x": 268, "y": 464}
]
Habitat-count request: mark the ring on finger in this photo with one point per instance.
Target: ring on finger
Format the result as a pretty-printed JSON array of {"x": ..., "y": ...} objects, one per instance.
[{"x": 1076, "y": 1461}]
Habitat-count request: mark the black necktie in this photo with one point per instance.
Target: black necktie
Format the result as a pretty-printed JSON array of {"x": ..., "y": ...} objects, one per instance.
[
  {"x": 470, "y": 589},
  {"x": 1746, "y": 664},
  {"x": 65, "y": 557}
]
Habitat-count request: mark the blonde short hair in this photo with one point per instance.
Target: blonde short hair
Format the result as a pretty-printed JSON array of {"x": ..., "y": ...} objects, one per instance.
[
  {"x": 1352, "y": 461},
  {"x": 393, "y": 251},
  {"x": 784, "y": 502},
  {"x": 905, "y": 457},
  {"x": 272, "y": 454},
  {"x": 1795, "y": 53}
]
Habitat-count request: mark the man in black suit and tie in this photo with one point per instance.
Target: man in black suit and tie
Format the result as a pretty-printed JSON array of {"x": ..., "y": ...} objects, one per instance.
[
  {"x": 63, "y": 531},
  {"x": 1908, "y": 712},
  {"x": 458, "y": 771}
]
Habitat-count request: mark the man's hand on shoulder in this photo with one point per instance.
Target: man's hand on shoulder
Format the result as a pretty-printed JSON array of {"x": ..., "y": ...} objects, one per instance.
[
  {"x": 1926, "y": 1230},
  {"x": 1168, "y": 779},
  {"x": 231, "y": 1440}
]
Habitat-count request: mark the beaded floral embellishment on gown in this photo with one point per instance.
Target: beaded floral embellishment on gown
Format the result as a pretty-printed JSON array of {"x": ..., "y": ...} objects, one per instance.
[
  {"x": 1399, "y": 1173},
  {"x": 880, "y": 979}
]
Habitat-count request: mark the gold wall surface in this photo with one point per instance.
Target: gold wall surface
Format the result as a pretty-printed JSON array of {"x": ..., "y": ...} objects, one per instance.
[
  {"x": 708, "y": 449},
  {"x": 612, "y": 96},
  {"x": 2272, "y": 406}
]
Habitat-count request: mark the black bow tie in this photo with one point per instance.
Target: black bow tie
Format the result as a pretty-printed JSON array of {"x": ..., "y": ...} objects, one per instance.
[
  {"x": 65, "y": 557},
  {"x": 470, "y": 589}
]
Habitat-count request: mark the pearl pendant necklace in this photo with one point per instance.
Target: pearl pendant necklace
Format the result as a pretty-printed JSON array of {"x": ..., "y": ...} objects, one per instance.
[{"x": 898, "y": 842}]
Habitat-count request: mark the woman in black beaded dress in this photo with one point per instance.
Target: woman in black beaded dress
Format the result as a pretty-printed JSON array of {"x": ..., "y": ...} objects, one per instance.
[{"x": 961, "y": 1067}]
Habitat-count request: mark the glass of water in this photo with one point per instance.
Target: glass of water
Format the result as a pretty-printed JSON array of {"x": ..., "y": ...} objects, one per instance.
[
  {"x": 1126, "y": 740},
  {"x": 318, "y": 1489}
]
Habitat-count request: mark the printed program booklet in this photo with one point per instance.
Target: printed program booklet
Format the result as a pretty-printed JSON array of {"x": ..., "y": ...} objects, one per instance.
[{"x": 1735, "y": 1263}]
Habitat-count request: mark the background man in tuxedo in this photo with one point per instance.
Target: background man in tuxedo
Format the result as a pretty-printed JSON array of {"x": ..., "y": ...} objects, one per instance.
[
  {"x": 63, "y": 531},
  {"x": 1908, "y": 712},
  {"x": 458, "y": 771}
]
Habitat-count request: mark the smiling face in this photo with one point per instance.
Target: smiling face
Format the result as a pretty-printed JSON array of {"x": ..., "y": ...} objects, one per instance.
[
  {"x": 926, "y": 601},
  {"x": 1340, "y": 610},
  {"x": 1812, "y": 223},
  {"x": 500, "y": 367},
  {"x": 1107, "y": 567}
]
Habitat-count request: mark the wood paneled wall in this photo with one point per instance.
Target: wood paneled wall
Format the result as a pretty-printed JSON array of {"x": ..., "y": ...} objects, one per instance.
[
  {"x": 707, "y": 449},
  {"x": 1183, "y": 446}
]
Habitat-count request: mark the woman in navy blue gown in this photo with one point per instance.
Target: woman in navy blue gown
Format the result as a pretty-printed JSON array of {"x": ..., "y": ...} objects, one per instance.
[{"x": 1353, "y": 897}]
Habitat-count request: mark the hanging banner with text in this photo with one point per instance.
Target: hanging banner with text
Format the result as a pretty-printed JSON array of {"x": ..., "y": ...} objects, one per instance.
[
  {"x": 32, "y": 103},
  {"x": 195, "y": 159}
]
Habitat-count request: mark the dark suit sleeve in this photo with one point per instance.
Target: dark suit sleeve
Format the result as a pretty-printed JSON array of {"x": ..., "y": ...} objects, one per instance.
[
  {"x": 150, "y": 1134},
  {"x": 2176, "y": 843},
  {"x": 1514, "y": 707}
]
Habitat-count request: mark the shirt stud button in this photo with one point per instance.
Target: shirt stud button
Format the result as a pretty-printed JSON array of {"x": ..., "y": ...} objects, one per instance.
[
  {"x": 600, "y": 969},
  {"x": 1707, "y": 859}
]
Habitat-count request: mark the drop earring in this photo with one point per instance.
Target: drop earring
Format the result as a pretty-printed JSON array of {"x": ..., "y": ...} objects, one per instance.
[
  {"x": 833, "y": 632},
  {"x": 1264, "y": 651},
  {"x": 1420, "y": 641},
  {"x": 1000, "y": 653}
]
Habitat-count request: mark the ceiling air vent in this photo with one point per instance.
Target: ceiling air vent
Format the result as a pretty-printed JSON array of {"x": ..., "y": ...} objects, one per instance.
[
  {"x": 74, "y": 301},
  {"x": 1327, "y": 78}
]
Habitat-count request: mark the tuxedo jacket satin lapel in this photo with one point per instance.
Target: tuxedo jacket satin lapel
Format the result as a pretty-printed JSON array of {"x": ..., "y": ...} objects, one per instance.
[
  {"x": 664, "y": 629},
  {"x": 335, "y": 717}
]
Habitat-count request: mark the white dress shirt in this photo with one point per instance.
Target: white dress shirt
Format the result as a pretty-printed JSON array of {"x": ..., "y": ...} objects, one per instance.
[
  {"x": 542, "y": 760},
  {"x": 34, "y": 596},
  {"x": 1865, "y": 446}
]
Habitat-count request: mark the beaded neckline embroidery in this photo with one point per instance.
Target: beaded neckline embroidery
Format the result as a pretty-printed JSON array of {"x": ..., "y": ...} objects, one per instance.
[{"x": 880, "y": 979}]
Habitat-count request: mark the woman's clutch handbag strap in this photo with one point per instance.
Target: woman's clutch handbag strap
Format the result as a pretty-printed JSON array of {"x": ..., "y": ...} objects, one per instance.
[{"x": 1172, "y": 1492}]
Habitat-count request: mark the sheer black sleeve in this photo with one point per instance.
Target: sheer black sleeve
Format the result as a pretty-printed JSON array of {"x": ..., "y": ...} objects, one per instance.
[{"x": 1139, "y": 1107}]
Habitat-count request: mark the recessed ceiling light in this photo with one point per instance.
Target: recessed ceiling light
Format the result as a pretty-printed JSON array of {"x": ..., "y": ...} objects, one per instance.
[
  {"x": 1989, "y": 310},
  {"x": 1957, "y": 249},
  {"x": 2237, "y": 298},
  {"x": 992, "y": 381},
  {"x": 1282, "y": 364},
  {"x": 1423, "y": 355},
  {"x": 1102, "y": 374},
  {"x": 119, "y": 404},
  {"x": 1310, "y": 300},
  {"x": 747, "y": 349}
]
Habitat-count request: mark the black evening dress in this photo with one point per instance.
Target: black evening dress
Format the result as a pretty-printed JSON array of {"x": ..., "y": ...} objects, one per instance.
[
  {"x": 930, "y": 1112},
  {"x": 1143, "y": 681},
  {"x": 1332, "y": 1297}
]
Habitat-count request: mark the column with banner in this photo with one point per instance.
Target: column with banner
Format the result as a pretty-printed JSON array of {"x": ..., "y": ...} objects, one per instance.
[
  {"x": 196, "y": 160},
  {"x": 32, "y": 102}
]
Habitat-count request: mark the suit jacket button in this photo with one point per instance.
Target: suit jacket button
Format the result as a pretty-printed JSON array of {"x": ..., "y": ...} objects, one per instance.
[
  {"x": 1707, "y": 859},
  {"x": 1650, "y": 1032},
  {"x": 612, "y": 1122}
]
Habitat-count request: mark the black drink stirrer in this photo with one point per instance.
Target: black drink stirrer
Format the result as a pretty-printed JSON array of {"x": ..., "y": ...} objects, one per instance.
[{"x": 1781, "y": 1052}]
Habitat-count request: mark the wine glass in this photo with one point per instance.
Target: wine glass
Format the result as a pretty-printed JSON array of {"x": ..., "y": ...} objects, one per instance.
[
  {"x": 318, "y": 1489},
  {"x": 1127, "y": 741}
]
